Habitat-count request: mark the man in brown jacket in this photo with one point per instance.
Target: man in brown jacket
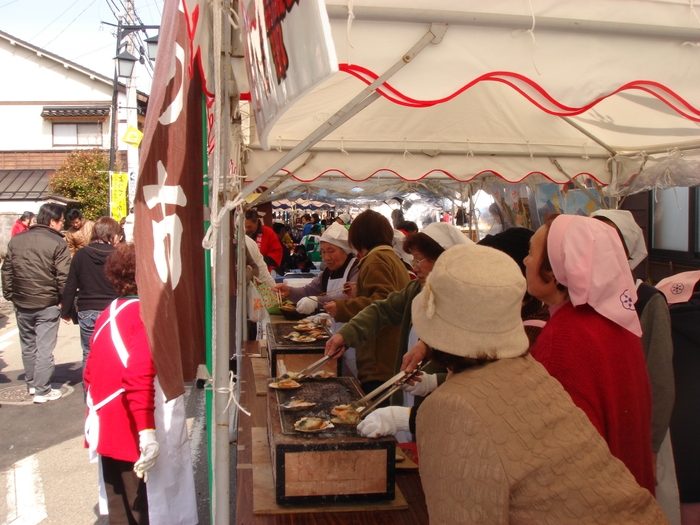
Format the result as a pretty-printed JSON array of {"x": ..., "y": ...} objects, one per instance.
[{"x": 80, "y": 231}]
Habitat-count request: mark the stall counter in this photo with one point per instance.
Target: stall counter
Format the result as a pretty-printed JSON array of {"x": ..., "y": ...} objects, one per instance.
[{"x": 408, "y": 481}]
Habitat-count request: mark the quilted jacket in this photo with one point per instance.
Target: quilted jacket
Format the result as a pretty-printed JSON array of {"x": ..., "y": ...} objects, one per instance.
[
  {"x": 504, "y": 444},
  {"x": 35, "y": 269}
]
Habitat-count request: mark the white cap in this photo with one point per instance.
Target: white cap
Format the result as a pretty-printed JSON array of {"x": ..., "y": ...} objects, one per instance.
[
  {"x": 397, "y": 245},
  {"x": 345, "y": 217},
  {"x": 337, "y": 235},
  {"x": 445, "y": 234},
  {"x": 631, "y": 233}
]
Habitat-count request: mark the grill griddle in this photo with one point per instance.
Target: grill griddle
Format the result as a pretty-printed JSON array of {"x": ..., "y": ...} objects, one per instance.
[
  {"x": 278, "y": 331},
  {"x": 326, "y": 393}
]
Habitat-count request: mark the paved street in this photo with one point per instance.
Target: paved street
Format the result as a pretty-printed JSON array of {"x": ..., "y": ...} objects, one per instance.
[{"x": 45, "y": 475}]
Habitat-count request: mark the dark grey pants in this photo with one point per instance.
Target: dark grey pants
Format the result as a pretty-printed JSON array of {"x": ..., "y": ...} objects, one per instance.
[{"x": 38, "y": 332}]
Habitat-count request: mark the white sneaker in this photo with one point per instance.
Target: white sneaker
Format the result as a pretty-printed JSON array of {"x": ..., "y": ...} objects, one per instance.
[
  {"x": 53, "y": 395},
  {"x": 32, "y": 390}
]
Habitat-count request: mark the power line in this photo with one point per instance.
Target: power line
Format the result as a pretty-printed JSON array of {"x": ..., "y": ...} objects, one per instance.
[
  {"x": 93, "y": 51},
  {"x": 71, "y": 23},
  {"x": 54, "y": 20},
  {"x": 8, "y": 3},
  {"x": 113, "y": 9}
]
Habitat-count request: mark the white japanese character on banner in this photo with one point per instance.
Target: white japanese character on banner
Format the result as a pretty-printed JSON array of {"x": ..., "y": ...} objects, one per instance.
[{"x": 166, "y": 256}]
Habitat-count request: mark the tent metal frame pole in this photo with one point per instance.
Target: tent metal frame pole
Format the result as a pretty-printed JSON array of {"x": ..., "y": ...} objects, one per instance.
[
  {"x": 578, "y": 185},
  {"x": 589, "y": 135},
  {"x": 412, "y": 151},
  {"x": 221, "y": 259},
  {"x": 272, "y": 187},
  {"x": 524, "y": 22},
  {"x": 357, "y": 104},
  {"x": 662, "y": 149}
]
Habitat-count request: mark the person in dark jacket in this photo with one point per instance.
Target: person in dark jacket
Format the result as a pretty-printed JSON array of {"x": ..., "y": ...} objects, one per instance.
[
  {"x": 33, "y": 277},
  {"x": 87, "y": 281}
]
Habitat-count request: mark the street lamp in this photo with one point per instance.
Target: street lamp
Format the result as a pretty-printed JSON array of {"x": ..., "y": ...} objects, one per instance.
[
  {"x": 152, "y": 45},
  {"x": 124, "y": 67},
  {"x": 125, "y": 64}
]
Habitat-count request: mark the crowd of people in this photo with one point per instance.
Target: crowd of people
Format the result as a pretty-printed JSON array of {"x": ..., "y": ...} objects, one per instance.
[
  {"x": 551, "y": 386},
  {"x": 87, "y": 274},
  {"x": 551, "y": 396}
]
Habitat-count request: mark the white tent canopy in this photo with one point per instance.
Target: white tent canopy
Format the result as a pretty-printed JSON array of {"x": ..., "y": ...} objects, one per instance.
[{"x": 503, "y": 89}]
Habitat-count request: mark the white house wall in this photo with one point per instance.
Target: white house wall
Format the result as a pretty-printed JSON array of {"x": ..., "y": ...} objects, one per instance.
[{"x": 40, "y": 81}]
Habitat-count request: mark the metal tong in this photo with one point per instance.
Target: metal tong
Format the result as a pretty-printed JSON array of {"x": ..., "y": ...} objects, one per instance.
[
  {"x": 313, "y": 367},
  {"x": 386, "y": 390}
]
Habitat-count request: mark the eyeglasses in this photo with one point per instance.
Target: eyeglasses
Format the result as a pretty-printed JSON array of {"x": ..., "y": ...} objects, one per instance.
[{"x": 415, "y": 263}]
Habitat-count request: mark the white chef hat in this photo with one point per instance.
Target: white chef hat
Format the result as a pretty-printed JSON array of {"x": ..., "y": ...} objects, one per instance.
[
  {"x": 445, "y": 234},
  {"x": 630, "y": 231},
  {"x": 345, "y": 217},
  {"x": 397, "y": 245},
  {"x": 337, "y": 235}
]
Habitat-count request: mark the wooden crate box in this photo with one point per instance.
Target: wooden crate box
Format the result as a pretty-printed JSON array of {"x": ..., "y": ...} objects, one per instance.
[{"x": 337, "y": 465}]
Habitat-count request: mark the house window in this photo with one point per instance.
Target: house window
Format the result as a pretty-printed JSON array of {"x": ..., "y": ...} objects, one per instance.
[{"x": 77, "y": 134}]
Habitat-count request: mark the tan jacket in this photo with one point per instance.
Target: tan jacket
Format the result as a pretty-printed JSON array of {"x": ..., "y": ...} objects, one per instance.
[
  {"x": 381, "y": 272},
  {"x": 76, "y": 239},
  {"x": 504, "y": 444}
]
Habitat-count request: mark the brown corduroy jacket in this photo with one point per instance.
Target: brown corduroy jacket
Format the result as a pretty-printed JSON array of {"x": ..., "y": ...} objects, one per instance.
[{"x": 381, "y": 272}]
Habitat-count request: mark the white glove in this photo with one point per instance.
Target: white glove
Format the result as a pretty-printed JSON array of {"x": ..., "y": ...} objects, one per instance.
[
  {"x": 307, "y": 305},
  {"x": 385, "y": 422},
  {"x": 149, "y": 452},
  {"x": 323, "y": 319},
  {"x": 427, "y": 383}
]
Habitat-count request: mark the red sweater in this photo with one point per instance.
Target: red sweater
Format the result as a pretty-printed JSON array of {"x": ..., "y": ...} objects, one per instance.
[
  {"x": 18, "y": 227},
  {"x": 601, "y": 366},
  {"x": 125, "y": 416}
]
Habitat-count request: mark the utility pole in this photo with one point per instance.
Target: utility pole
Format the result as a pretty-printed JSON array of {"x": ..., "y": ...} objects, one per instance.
[{"x": 132, "y": 152}]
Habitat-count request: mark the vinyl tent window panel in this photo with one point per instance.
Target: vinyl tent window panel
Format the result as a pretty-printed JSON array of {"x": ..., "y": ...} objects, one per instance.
[
  {"x": 671, "y": 219},
  {"x": 696, "y": 221},
  {"x": 77, "y": 134}
]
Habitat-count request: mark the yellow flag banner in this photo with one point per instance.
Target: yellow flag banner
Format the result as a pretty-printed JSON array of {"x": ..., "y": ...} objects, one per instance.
[
  {"x": 119, "y": 188},
  {"x": 132, "y": 136}
]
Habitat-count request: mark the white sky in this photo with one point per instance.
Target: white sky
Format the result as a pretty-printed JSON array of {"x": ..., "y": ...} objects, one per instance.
[{"x": 72, "y": 29}]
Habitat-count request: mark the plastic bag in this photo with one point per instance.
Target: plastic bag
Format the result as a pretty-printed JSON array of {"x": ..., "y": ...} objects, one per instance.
[
  {"x": 268, "y": 296},
  {"x": 256, "y": 305}
]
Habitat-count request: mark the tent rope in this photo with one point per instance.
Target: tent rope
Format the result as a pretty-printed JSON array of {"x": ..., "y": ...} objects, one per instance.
[
  {"x": 211, "y": 236},
  {"x": 531, "y": 32},
  {"x": 692, "y": 10},
  {"x": 230, "y": 390},
  {"x": 234, "y": 23},
  {"x": 351, "y": 17},
  {"x": 585, "y": 152},
  {"x": 342, "y": 146},
  {"x": 405, "y": 149},
  {"x": 470, "y": 153}
]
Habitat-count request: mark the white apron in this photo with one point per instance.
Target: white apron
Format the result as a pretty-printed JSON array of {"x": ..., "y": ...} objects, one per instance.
[
  {"x": 349, "y": 364},
  {"x": 170, "y": 487}
]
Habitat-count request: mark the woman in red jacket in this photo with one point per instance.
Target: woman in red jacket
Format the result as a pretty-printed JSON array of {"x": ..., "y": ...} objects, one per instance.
[
  {"x": 591, "y": 344},
  {"x": 120, "y": 393}
]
